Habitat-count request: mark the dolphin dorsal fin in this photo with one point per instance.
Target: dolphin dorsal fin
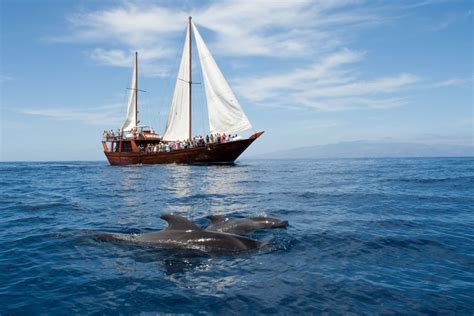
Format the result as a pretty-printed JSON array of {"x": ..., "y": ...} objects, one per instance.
[
  {"x": 176, "y": 222},
  {"x": 217, "y": 218}
]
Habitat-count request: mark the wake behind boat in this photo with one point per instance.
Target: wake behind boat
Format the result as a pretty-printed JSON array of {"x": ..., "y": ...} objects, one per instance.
[{"x": 135, "y": 144}]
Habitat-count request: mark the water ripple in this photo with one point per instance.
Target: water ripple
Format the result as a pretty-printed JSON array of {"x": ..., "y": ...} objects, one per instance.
[{"x": 366, "y": 236}]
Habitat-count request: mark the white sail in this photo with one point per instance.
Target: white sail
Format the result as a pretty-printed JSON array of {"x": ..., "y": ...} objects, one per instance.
[
  {"x": 177, "y": 127},
  {"x": 225, "y": 113},
  {"x": 129, "y": 123}
]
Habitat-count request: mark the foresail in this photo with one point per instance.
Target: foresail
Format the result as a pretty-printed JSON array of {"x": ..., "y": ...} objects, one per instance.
[
  {"x": 177, "y": 127},
  {"x": 129, "y": 123},
  {"x": 225, "y": 112}
]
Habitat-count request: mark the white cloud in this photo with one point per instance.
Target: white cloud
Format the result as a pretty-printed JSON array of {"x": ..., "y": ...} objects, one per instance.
[
  {"x": 341, "y": 104},
  {"x": 445, "y": 23},
  {"x": 4, "y": 78},
  {"x": 122, "y": 58},
  {"x": 327, "y": 85},
  {"x": 451, "y": 82},
  {"x": 283, "y": 31},
  {"x": 134, "y": 25},
  {"x": 366, "y": 87},
  {"x": 449, "y": 19},
  {"x": 274, "y": 28},
  {"x": 245, "y": 28},
  {"x": 90, "y": 116},
  {"x": 113, "y": 57},
  {"x": 327, "y": 71}
]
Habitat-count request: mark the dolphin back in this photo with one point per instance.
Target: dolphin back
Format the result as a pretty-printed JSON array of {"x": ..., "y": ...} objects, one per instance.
[
  {"x": 217, "y": 218},
  {"x": 225, "y": 242},
  {"x": 245, "y": 225},
  {"x": 270, "y": 222},
  {"x": 176, "y": 222}
]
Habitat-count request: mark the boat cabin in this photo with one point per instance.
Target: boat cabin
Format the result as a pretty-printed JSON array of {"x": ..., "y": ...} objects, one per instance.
[{"x": 134, "y": 141}]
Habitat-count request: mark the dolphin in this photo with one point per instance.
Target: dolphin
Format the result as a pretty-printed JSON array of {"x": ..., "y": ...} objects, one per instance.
[
  {"x": 223, "y": 224},
  {"x": 181, "y": 233}
]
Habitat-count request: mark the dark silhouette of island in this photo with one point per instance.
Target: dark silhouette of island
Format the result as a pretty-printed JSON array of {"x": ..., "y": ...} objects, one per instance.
[{"x": 371, "y": 149}]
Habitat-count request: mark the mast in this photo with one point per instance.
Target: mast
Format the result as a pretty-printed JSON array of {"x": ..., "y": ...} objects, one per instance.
[
  {"x": 136, "y": 89},
  {"x": 190, "y": 77}
]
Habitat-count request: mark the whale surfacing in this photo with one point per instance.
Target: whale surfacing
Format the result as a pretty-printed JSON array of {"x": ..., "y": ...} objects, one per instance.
[
  {"x": 224, "y": 224},
  {"x": 181, "y": 233}
]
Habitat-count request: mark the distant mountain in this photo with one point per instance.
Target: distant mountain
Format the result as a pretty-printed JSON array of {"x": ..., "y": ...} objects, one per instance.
[{"x": 371, "y": 149}]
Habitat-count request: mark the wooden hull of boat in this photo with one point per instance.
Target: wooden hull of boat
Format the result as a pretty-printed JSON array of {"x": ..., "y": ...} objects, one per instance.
[{"x": 219, "y": 153}]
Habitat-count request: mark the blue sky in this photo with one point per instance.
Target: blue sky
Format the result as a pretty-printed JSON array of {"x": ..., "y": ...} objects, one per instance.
[{"x": 306, "y": 72}]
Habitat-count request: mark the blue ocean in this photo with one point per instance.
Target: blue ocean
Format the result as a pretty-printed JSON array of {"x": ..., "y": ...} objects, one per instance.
[{"x": 365, "y": 236}]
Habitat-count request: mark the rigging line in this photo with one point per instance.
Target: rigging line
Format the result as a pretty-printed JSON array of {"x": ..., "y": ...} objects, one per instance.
[
  {"x": 168, "y": 90},
  {"x": 203, "y": 104},
  {"x": 203, "y": 113},
  {"x": 125, "y": 97},
  {"x": 189, "y": 81},
  {"x": 198, "y": 106},
  {"x": 136, "y": 89}
]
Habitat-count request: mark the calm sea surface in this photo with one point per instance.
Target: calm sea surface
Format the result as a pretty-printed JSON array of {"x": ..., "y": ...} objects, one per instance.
[{"x": 366, "y": 236}]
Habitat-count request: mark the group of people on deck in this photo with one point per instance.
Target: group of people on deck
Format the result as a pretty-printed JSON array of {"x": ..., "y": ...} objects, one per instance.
[
  {"x": 122, "y": 134},
  {"x": 196, "y": 141},
  {"x": 110, "y": 133}
]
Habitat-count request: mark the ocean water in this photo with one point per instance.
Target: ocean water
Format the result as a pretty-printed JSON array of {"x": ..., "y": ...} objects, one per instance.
[{"x": 366, "y": 236}]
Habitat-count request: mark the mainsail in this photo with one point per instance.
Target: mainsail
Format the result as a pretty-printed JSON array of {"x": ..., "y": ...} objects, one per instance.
[
  {"x": 225, "y": 113},
  {"x": 131, "y": 120},
  {"x": 177, "y": 127}
]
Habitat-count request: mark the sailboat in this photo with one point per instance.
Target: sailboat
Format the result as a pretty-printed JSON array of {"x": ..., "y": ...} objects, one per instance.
[{"x": 135, "y": 144}]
